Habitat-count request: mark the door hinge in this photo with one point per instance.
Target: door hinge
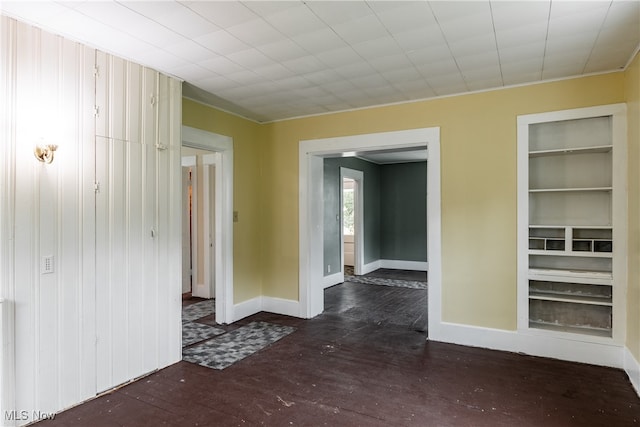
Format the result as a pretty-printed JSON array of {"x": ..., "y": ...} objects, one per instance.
[
  {"x": 153, "y": 100},
  {"x": 96, "y": 187},
  {"x": 96, "y": 71},
  {"x": 96, "y": 111}
]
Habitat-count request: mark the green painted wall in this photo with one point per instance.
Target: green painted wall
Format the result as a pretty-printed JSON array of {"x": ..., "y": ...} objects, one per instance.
[{"x": 403, "y": 211}]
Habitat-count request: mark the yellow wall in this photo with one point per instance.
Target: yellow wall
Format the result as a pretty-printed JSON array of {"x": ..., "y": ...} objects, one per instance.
[
  {"x": 247, "y": 269},
  {"x": 632, "y": 97},
  {"x": 478, "y": 165}
]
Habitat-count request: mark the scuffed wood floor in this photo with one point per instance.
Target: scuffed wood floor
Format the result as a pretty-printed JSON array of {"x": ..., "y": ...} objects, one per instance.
[{"x": 363, "y": 369}]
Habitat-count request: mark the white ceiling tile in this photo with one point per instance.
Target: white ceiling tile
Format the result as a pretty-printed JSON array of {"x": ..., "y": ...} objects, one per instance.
[
  {"x": 215, "y": 83},
  {"x": 319, "y": 40},
  {"x": 321, "y": 77},
  {"x": 255, "y": 32},
  {"x": 339, "y": 87},
  {"x": 371, "y": 49},
  {"x": 431, "y": 54},
  {"x": 361, "y": 29},
  {"x": 391, "y": 62},
  {"x": 33, "y": 12},
  {"x": 522, "y": 52},
  {"x": 151, "y": 8},
  {"x": 189, "y": 51},
  {"x": 266, "y": 8},
  {"x": 576, "y": 9},
  {"x": 467, "y": 27},
  {"x": 186, "y": 22},
  {"x": 478, "y": 61},
  {"x": 420, "y": 38},
  {"x": 303, "y": 65},
  {"x": 586, "y": 22},
  {"x": 624, "y": 14},
  {"x": 355, "y": 70},
  {"x": 338, "y": 12},
  {"x": 451, "y": 10},
  {"x": 159, "y": 59},
  {"x": 245, "y": 77},
  {"x": 221, "y": 65},
  {"x": 292, "y": 83},
  {"x": 222, "y": 13},
  {"x": 447, "y": 84},
  {"x": 526, "y": 34},
  {"x": 371, "y": 80},
  {"x": 295, "y": 20},
  {"x": 407, "y": 16},
  {"x": 111, "y": 13},
  {"x": 531, "y": 65},
  {"x": 508, "y": 15},
  {"x": 221, "y": 42},
  {"x": 520, "y": 78},
  {"x": 481, "y": 74},
  {"x": 402, "y": 74},
  {"x": 485, "y": 84},
  {"x": 250, "y": 58},
  {"x": 338, "y": 57},
  {"x": 478, "y": 44},
  {"x": 190, "y": 72},
  {"x": 572, "y": 42},
  {"x": 274, "y": 72},
  {"x": 438, "y": 68},
  {"x": 282, "y": 50}
]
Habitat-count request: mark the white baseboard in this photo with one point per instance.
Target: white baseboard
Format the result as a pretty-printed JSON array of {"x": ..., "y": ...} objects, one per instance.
[
  {"x": 270, "y": 304},
  {"x": 332, "y": 279},
  {"x": 372, "y": 266},
  {"x": 282, "y": 306},
  {"x": 247, "y": 308},
  {"x": 534, "y": 345},
  {"x": 404, "y": 265},
  {"x": 632, "y": 368}
]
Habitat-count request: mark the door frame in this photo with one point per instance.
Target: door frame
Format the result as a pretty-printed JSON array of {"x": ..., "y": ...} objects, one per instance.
[
  {"x": 311, "y": 214},
  {"x": 358, "y": 219},
  {"x": 222, "y": 145}
]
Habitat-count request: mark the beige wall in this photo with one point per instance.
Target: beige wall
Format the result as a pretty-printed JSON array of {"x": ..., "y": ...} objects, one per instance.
[
  {"x": 247, "y": 199},
  {"x": 478, "y": 163},
  {"x": 632, "y": 97}
]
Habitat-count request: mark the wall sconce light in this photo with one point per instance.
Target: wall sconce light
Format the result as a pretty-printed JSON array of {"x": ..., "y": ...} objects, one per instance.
[{"x": 44, "y": 153}]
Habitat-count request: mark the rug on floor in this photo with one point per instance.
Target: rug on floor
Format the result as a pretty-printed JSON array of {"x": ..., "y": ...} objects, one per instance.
[
  {"x": 385, "y": 282},
  {"x": 196, "y": 332},
  {"x": 227, "y": 349},
  {"x": 198, "y": 310}
]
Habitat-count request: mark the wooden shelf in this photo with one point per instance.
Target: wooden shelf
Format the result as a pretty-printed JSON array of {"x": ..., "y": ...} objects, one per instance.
[
  {"x": 579, "y": 150},
  {"x": 568, "y": 190},
  {"x": 573, "y": 298},
  {"x": 596, "y": 332},
  {"x": 581, "y": 274}
]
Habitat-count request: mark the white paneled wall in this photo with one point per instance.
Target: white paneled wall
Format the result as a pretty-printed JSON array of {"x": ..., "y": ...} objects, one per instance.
[{"x": 110, "y": 311}]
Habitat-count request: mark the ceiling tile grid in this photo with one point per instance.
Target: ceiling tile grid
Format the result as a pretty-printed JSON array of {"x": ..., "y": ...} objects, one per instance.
[{"x": 272, "y": 60}]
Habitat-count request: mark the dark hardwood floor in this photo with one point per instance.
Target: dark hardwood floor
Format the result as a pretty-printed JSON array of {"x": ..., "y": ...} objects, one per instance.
[{"x": 365, "y": 363}]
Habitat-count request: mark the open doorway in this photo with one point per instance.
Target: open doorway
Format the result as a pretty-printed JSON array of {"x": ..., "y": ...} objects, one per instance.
[
  {"x": 351, "y": 214},
  {"x": 216, "y": 161},
  {"x": 199, "y": 223},
  {"x": 311, "y": 157}
]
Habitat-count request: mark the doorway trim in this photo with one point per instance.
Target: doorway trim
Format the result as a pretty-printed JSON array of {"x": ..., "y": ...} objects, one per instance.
[
  {"x": 223, "y": 146},
  {"x": 311, "y": 215},
  {"x": 358, "y": 219}
]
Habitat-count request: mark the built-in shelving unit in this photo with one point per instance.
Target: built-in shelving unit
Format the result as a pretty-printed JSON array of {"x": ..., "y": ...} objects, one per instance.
[{"x": 571, "y": 200}]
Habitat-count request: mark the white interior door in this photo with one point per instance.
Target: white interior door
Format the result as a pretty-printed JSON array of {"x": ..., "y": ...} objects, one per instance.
[{"x": 204, "y": 227}]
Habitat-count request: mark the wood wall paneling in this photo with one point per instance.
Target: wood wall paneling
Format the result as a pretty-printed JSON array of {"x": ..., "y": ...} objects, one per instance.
[{"x": 106, "y": 314}]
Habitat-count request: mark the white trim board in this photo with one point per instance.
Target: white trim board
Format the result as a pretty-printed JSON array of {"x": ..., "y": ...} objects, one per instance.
[
  {"x": 632, "y": 368},
  {"x": 223, "y": 145},
  {"x": 397, "y": 264},
  {"x": 255, "y": 305},
  {"x": 332, "y": 279}
]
